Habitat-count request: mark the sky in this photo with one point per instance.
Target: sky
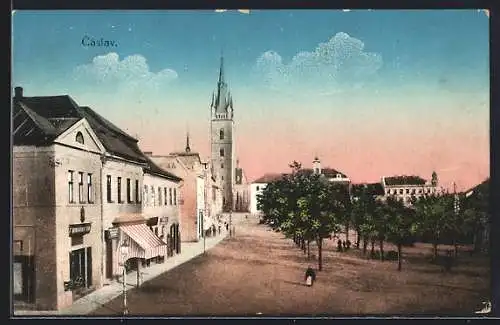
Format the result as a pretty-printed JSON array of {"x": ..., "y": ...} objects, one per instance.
[{"x": 372, "y": 93}]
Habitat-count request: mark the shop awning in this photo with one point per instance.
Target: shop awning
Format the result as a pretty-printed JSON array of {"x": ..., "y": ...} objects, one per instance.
[{"x": 143, "y": 243}]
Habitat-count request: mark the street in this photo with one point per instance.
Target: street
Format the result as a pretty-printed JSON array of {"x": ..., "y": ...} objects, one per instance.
[{"x": 260, "y": 273}]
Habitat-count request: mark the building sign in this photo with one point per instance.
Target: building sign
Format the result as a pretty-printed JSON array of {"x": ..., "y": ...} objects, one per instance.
[
  {"x": 79, "y": 229},
  {"x": 151, "y": 222},
  {"x": 112, "y": 233}
]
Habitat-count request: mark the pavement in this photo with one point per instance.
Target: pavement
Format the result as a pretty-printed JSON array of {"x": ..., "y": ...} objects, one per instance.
[{"x": 101, "y": 296}]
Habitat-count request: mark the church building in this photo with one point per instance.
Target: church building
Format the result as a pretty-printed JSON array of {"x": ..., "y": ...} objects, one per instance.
[{"x": 223, "y": 155}]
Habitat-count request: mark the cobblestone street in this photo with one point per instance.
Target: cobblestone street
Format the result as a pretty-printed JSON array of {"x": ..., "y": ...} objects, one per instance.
[{"x": 260, "y": 273}]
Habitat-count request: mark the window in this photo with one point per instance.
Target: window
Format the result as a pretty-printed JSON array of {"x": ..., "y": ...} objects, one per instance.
[
  {"x": 339, "y": 176},
  {"x": 90, "y": 190},
  {"x": 170, "y": 196},
  {"x": 70, "y": 187},
  {"x": 159, "y": 195},
  {"x": 222, "y": 178},
  {"x": 221, "y": 165},
  {"x": 129, "y": 193},
  {"x": 401, "y": 191},
  {"x": 79, "y": 138},
  {"x": 388, "y": 192},
  {"x": 146, "y": 197},
  {"x": 137, "y": 191},
  {"x": 407, "y": 191},
  {"x": 80, "y": 188},
  {"x": 413, "y": 191},
  {"x": 257, "y": 188},
  {"x": 222, "y": 152},
  {"x": 108, "y": 188},
  {"x": 221, "y": 134},
  {"x": 119, "y": 189},
  {"x": 175, "y": 196},
  {"x": 420, "y": 191},
  {"x": 153, "y": 201},
  {"x": 165, "y": 198}
]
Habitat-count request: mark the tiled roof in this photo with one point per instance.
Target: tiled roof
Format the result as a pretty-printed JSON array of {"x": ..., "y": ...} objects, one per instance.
[
  {"x": 268, "y": 178},
  {"x": 114, "y": 140},
  {"x": 404, "y": 180},
  {"x": 153, "y": 168},
  {"x": 39, "y": 120},
  {"x": 32, "y": 128},
  {"x": 327, "y": 172}
]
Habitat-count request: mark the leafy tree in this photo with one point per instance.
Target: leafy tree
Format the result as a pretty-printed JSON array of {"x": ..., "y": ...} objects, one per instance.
[
  {"x": 434, "y": 214},
  {"x": 304, "y": 205},
  {"x": 401, "y": 225}
]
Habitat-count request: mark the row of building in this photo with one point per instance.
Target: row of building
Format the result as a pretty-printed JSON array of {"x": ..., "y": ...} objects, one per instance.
[
  {"x": 403, "y": 188},
  {"x": 82, "y": 187}
]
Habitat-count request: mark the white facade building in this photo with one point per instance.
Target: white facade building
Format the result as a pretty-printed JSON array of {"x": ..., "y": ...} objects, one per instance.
[{"x": 405, "y": 187}]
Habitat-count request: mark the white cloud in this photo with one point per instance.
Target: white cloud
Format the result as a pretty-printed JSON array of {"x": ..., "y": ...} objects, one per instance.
[
  {"x": 130, "y": 73},
  {"x": 341, "y": 61}
]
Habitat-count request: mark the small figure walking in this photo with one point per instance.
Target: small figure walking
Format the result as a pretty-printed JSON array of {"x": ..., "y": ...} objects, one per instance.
[
  {"x": 310, "y": 276},
  {"x": 348, "y": 244},
  {"x": 339, "y": 245}
]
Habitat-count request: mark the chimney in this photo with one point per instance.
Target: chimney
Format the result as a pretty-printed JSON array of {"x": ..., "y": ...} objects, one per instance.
[
  {"x": 148, "y": 153},
  {"x": 18, "y": 93}
]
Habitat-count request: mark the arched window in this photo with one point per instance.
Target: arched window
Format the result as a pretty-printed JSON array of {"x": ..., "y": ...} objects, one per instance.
[
  {"x": 221, "y": 134},
  {"x": 79, "y": 138}
]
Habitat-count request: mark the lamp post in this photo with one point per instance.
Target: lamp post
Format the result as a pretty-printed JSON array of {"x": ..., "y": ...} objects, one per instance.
[
  {"x": 124, "y": 252},
  {"x": 204, "y": 232}
]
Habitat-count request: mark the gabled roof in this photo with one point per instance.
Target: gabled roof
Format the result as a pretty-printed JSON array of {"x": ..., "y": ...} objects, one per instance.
[
  {"x": 327, "y": 172},
  {"x": 154, "y": 169},
  {"x": 483, "y": 187},
  {"x": 404, "y": 180},
  {"x": 40, "y": 120},
  {"x": 268, "y": 178},
  {"x": 32, "y": 128},
  {"x": 114, "y": 139}
]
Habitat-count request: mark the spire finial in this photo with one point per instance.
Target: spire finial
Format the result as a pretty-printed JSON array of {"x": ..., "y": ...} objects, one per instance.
[{"x": 188, "y": 149}]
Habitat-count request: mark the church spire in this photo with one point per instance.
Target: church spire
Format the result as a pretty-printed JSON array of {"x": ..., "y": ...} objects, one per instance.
[
  {"x": 188, "y": 149},
  {"x": 222, "y": 103},
  {"x": 221, "y": 70}
]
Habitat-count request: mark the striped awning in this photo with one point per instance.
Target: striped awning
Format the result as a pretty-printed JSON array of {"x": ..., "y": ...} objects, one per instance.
[{"x": 142, "y": 242}]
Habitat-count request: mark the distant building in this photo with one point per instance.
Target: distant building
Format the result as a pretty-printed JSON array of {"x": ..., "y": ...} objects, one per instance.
[
  {"x": 242, "y": 190},
  {"x": 193, "y": 206},
  {"x": 160, "y": 204},
  {"x": 403, "y": 188},
  {"x": 222, "y": 139},
  {"x": 258, "y": 186},
  {"x": 330, "y": 174}
]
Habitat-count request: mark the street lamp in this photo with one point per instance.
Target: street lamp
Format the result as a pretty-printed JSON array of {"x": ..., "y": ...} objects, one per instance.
[{"x": 124, "y": 252}]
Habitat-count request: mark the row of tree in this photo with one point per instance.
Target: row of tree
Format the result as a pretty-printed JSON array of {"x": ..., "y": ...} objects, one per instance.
[{"x": 307, "y": 207}]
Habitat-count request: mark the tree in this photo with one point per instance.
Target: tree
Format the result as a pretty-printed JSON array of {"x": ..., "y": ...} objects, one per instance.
[
  {"x": 401, "y": 225},
  {"x": 434, "y": 214},
  {"x": 304, "y": 205}
]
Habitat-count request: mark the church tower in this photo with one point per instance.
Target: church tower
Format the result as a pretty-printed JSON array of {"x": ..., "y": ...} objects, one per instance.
[{"x": 222, "y": 132}]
